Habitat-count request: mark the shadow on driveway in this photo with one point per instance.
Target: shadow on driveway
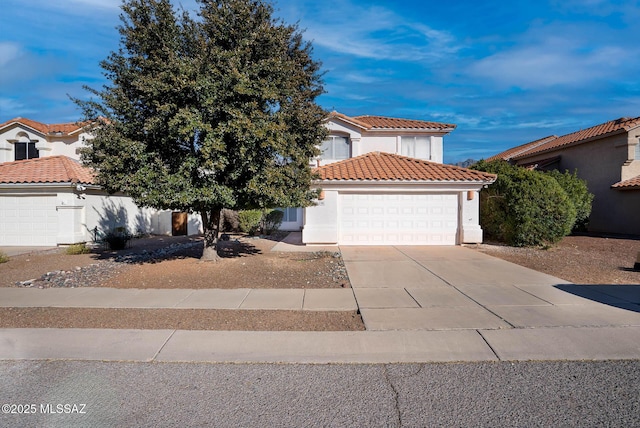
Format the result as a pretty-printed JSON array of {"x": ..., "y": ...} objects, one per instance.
[{"x": 621, "y": 296}]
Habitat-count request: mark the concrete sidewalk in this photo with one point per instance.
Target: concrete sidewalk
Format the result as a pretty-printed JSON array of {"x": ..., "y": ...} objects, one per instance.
[
  {"x": 330, "y": 299},
  {"x": 370, "y": 347}
]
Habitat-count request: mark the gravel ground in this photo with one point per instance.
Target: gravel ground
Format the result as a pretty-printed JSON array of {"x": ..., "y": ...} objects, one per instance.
[
  {"x": 181, "y": 319},
  {"x": 579, "y": 259}
]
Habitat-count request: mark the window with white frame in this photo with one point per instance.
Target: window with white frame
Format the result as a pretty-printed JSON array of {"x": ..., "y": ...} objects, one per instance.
[
  {"x": 637, "y": 156},
  {"x": 416, "y": 147},
  {"x": 335, "y": 147}
]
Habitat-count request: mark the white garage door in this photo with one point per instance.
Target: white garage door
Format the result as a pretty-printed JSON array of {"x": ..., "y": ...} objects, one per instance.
[
  {"x": 398, "y": 219},
  {"x": 28, "y": 220}
]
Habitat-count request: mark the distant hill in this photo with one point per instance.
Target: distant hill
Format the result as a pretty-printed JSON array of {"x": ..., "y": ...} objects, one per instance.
[{"x": 466, "y": 164}]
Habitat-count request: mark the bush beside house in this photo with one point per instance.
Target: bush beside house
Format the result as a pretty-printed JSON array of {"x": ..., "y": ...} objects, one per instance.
[{"x": 531, "y": 208}]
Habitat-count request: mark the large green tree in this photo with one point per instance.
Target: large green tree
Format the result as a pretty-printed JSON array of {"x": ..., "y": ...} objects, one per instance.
[{"x": 207, "y": 112}]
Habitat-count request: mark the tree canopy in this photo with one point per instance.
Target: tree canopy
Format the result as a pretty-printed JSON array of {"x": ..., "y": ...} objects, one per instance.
[{"x": 208, "y": 112}]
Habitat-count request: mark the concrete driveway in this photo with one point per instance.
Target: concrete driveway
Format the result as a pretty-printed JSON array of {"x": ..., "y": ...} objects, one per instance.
[{"x": 453, "y": 288}]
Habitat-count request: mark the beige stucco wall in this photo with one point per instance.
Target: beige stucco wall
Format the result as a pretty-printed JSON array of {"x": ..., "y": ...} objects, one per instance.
[{"x": 600, "y": 163}]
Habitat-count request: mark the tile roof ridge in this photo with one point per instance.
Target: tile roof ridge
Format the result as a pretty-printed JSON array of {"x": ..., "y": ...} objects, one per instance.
[
  {"x": 526, "y": 147},
  {"x": 46, "y": 128},
  {"x": 69, "y": 166},
  {"x": 351, "y": 119}
]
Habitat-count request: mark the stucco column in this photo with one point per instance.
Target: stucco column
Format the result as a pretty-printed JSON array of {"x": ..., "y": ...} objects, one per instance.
[
  {"x": 471, "y": 232},
  {"x": 355, "y": 146},
  {"x": 321, "y": 220}
]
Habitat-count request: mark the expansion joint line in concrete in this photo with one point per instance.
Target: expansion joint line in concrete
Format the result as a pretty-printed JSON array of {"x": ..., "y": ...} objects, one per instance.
[
  {"x": 163, "y": 345},
  {"x": 489, "y": 345},
  {"x": 454, "y": 287}
]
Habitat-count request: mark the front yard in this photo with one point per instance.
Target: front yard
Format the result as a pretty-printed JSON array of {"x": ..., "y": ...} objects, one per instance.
[{"x": 579, "y": 259}]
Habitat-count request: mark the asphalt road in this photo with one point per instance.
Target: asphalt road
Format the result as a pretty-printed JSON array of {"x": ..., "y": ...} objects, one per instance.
[{"x": 97, "y": 394}]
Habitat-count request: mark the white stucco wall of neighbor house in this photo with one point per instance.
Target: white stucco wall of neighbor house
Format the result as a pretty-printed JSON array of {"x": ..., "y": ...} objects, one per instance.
[
  {"x": 60, "y": 214},
  {"x": 47, "y": 145},
  {"x": 102, "y": 213},
  {"x": 13, "y": 135},
  {"x": 161, "y": 223}
]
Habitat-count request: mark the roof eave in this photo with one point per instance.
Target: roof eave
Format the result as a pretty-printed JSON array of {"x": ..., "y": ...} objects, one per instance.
[
  {"x": 370, "y": 181},
  {"x": 31, "y": 128},
  {"x": 575, "y": 143}
]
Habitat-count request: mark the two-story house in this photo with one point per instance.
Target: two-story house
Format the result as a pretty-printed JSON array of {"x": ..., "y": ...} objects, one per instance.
[
  {"x": 48, "y": 198},
  {"x": 607, "y": 157},
  {"x": 383, "y": 183}
]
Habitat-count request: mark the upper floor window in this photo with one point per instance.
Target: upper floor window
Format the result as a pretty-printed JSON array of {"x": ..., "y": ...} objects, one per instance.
[
  {"x": 416, "y": 147},
  {"x": 637, "y": 157},
  {"x": 335, "y": 147},
  {"x": 25, "y": 150}
]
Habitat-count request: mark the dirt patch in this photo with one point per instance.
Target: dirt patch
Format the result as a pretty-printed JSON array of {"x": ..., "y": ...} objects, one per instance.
[
  {"x": 182, "y": 319},
  {"x": 245, "y": 263},
  {"x": 579, "y": 259}
]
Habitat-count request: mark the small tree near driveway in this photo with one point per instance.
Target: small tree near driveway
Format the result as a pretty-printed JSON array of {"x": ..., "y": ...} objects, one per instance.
[{"x": 208, "y": 112}]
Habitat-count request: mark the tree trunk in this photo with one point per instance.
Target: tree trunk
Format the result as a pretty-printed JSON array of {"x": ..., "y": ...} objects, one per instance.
[{"x": 211, "y": 228}]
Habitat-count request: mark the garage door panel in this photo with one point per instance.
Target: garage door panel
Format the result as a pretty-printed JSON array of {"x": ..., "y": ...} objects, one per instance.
[
  {"x": 398, "y": 219},
  {"x": 28, "y": 220}
]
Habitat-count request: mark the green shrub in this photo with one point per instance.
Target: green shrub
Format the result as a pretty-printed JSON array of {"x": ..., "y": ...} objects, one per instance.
[
  {"x": 249, "y": 221},
  {"x": 578, "y": 192},
  {"x": 75, "y": 249},
  {"x": 3, "y": 257},
  {"x": 271, "y": 221},
  {"x": 524, "y": 207}
]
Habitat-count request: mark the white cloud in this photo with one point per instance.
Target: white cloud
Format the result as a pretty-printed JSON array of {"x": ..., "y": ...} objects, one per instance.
[
  {"x": 374, "y": 32},
  {"x": 8, "y": 53},
  {"x": 75, "y": 7},
  {"x": 100, "y": 4},
  {"x": 549, "y": 60}
]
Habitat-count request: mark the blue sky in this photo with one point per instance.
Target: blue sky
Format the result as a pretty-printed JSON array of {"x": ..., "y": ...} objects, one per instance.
[{"x": 505, "y": 72}]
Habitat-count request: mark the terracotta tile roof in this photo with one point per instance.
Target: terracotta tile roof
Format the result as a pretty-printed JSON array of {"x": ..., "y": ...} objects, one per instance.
[
  {"x": 378, "y": 166},
  {"x": 630, "y": 184},
  {"x": 515, "y": 151},
  {"x": 390, "y": 123},
  {"x": 624, "y": 124},
  {"x": 49, "y": 169},
  {"x": 43, "y": 128}
]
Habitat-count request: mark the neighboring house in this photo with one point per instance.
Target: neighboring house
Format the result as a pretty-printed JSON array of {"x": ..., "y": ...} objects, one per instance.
[
  {"x": 607, "y": 157},
  {"x": 48, "y": 198},
  {"x": 383, "y": 182}
]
